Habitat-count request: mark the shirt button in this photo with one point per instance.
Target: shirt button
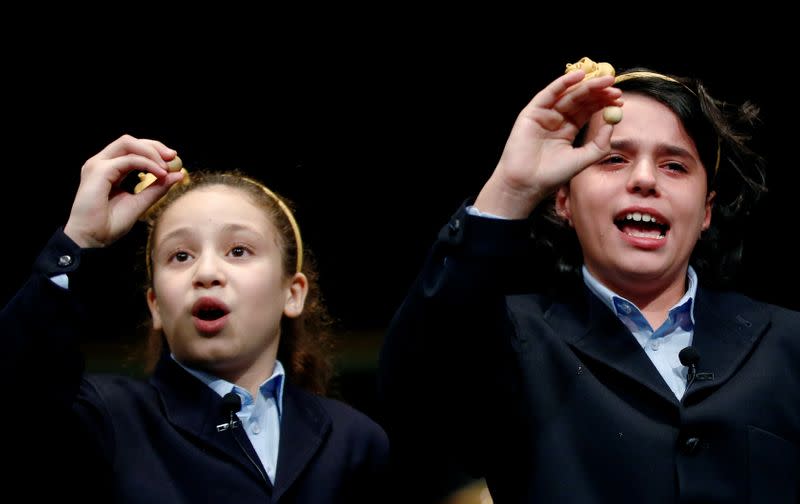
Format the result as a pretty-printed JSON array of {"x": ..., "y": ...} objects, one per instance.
[
  {"x": 655, "y": 345},
  {"x": 626, "y": 308},
  {"x": 65, "y": 260},
  {"x": 255, "y": 428}
]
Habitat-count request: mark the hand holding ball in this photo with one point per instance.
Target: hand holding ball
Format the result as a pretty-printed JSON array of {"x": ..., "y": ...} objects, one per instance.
[
  {"x": 611, "y": 115},
  {"x": 146, "y": 178}
]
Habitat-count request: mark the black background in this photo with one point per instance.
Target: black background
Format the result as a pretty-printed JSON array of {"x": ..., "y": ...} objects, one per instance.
[{"x": 376, "y": 136}]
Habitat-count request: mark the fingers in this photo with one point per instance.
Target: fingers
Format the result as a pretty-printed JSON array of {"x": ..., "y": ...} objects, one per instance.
[
  {"x": 153, "y": 150},
  {"x": 548, "y": 96},
  {"x": 594, "y": 150},
  {"x": 140, "y": 202},
  {"x": 126, "y": 154},
  {"x": 119, "y": 167},
  {"x": 548, "y": 119},
  {"x": 102, "y": 211},
  {"x": 579, "y": 103},
  {"x": 569, "y": 99}
]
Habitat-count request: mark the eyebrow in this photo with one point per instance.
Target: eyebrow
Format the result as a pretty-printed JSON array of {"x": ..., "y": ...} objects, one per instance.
[{"x": 672, "y": 150}]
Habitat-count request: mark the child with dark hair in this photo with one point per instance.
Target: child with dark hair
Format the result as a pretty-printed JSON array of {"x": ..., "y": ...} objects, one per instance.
[{"x": 566, "y": 339}]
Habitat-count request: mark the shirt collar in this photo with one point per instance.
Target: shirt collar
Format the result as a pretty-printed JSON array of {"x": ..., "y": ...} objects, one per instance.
[
  {"x": 271, "y": 387},
  {"x": 609, "y": 297}
]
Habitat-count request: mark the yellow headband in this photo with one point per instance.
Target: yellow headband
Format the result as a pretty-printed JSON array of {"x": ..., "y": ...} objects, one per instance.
[
  {"x": 289, "y": 215},
  {"x": 593, "y": 69},
  {"x": 644, "y": 75},
  {"x": 148, "y": 178},
  {"x": 654, "y": 75}
]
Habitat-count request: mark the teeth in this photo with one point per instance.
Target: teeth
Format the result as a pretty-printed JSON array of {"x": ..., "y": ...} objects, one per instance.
[
  {"x": 639, "y": 234},
  {"x": 636, "y": 217}
]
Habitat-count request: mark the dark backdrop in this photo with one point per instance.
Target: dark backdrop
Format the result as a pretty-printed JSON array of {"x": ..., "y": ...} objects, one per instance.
[{"x": 376, "y": 141}]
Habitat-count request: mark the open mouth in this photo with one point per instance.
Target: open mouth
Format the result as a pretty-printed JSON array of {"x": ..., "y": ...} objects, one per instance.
[
  {"x": 210, "y": 314},
  {"x": 208, "y": 308},
  {"x": 642, "y": 225}
]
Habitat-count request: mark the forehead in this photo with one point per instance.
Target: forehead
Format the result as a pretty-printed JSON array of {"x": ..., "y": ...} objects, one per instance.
[
  {"x": 646, "y": 119},
  {"x": 214, "y": 204}
]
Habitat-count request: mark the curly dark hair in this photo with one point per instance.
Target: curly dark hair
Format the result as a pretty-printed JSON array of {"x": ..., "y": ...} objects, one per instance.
[
  {"x": 306, "y": 341},
  {"x": 739, "y": 180}
]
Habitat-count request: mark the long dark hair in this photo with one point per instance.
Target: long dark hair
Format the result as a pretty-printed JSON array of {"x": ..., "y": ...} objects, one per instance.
[{"x": 738, "y": 179}]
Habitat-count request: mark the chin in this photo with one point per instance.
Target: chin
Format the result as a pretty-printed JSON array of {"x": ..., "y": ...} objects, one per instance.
[{"x": 206, "y": 358}]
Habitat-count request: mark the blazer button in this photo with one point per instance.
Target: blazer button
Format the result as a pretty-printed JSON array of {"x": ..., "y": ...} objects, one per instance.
[
  {"x": 64, "y": 260},
  {"x": 454, "y": 227},
  {"x": 690, "y": 445}
]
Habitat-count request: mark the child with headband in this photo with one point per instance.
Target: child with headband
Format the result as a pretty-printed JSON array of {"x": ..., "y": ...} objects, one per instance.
[
  {"x": 234, "y": 410},
  {"x": 570, "y": 339}
]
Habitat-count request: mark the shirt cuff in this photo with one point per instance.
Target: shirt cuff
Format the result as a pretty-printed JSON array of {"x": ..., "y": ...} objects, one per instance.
[
  {"x": 473, "y": 210},
  {"x": 61, "y": 280}
]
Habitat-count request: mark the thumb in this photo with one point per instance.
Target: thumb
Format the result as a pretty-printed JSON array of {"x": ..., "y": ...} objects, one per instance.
[
  {"x": 592, "y": 152},
  {"x": 143, "y": 200}
]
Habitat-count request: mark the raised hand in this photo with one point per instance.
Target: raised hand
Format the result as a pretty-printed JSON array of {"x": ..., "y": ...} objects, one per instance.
[
  {"x": 538, "y": 156},
  {"x": 102, "y": 211}
]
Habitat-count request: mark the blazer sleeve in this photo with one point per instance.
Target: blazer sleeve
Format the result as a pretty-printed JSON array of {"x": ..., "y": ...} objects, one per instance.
[
  {"x": 41, "y": 325},
  {"x": 442, "y": 361},
  {"x": 51, "y": 423}
]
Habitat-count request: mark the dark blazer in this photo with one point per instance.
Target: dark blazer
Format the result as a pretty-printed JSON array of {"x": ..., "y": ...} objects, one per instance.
[
  {"x": 119, "y": 439},
  {"x": 552, "y": 399}
]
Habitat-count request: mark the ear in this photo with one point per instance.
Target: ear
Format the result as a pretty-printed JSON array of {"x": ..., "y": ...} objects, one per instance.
[
  {"x": 152, "y": 303},
  {"x": 709, "y": 207},
  {"x": 296, "y": 296},
  {"x": 562, "y": 204}
]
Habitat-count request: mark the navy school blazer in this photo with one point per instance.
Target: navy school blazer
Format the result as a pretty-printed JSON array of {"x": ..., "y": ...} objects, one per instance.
[
  {"x": 120, "y": 439},
  {"x": 551, "y": 399}
]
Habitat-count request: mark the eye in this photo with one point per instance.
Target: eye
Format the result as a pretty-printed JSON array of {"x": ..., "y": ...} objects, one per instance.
[
  {"x": 676, "y": 167},
  {"x": 180, "y": 256},
  {"x": 613, "y": 159},
  {"x": 239, "y": 251}
]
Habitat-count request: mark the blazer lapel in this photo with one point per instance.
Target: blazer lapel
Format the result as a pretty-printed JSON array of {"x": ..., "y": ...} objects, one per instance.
[
  {"x": 194, "y": 408},
  {"x": 594, "y": 331},
  {"x": 726, "y": 329},
  {"x": 304, "y": 426}
]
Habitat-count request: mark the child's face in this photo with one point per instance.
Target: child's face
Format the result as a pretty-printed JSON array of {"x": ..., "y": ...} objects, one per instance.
[
  {"x": 653, "y": 171},
  {"x": 219, "y": 289}
]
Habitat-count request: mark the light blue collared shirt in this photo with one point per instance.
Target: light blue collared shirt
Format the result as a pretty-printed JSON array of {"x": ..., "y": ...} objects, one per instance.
[
  {"x": 663, "y": 344},
  {"x": 260, "y": 416}
]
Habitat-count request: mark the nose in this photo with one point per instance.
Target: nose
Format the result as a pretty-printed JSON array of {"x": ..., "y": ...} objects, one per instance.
[
  {"x": 208, "y": 272},
  {"x": 643, "y": 178}
]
